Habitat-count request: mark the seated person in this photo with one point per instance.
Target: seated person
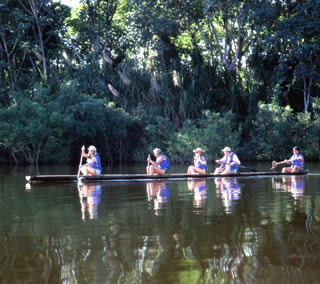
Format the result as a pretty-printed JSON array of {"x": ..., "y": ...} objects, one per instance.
[
  {"x": 229, "y": 163},
  {"x": 160, "y": 166},
  {"x": 296, "y": 161},
  {"x": 93, "y": 165},
  {"x": 200, "y": 163}
]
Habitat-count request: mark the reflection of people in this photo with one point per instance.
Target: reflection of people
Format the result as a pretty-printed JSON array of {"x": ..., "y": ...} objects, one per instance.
[
  {"x": 93, "y": 165},
  {"x": 295, "y": 185},
  {"x": 296, "y": 161},
  {"x": 159, "y": 166},
  {"x": 199, "y": 188},
  {"x": 228, "y": 190},
  {"x": 90, "y": 198},
  {"x": 229, "y": 163},
  {"x": 159, "y": 193},
  {"x": 200, "y": 163}
]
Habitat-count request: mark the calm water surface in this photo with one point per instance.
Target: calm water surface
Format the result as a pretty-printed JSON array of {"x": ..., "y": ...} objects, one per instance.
[{"x": 229, "y": 230}]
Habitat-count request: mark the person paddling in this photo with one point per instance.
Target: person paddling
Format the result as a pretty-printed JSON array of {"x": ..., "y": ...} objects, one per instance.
[
  {"x": 200, "y": 163},
  {"x": 159, "y": 166},
  {"x": 93, "y": 165},
  {"x": 296, "y": 161},
  {"x": 229, "y": 163}
]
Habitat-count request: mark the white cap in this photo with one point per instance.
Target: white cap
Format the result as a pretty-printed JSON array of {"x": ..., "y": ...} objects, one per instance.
[
  {"x": 226, "y": 149},
  {"x": 92, "y": 148},
  {"x": 156, "y": 150}
]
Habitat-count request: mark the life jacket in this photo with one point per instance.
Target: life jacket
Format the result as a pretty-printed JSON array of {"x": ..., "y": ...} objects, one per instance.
[
  {"x": 164, "y": 191},
  {"x": 297, "y": 162},
  {"x": 232, "y": 168},
  {"x": 198, "y": 163},
  {"x": 164, "y": 164},
  {"x": 96, "y": 163}
]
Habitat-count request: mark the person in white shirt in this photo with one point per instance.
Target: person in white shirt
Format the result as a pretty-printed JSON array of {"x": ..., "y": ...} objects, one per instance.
[{"x": 229, "y": 163}]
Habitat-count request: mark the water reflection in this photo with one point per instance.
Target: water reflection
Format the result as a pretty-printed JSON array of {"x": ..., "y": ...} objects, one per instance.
[
  {"x": 44, "y": 240},
  {"x": 90, "y": 198},
  {"x": 158, "y": 194},
  {"x": 292, "y": 184},
  {"x": 199, "y": 189},
  {"x": 228, "y": 190}
]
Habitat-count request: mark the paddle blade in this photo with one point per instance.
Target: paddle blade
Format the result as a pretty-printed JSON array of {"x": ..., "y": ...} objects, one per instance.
[{"x": 274, "y": 165}]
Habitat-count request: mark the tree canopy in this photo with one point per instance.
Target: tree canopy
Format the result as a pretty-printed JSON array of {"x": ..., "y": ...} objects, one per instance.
[{"x": 128, "y": 76}]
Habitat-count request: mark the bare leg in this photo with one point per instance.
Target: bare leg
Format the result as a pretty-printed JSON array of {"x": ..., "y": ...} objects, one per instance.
[
  {"x": 194, "y": 170},
  {"x": 190, "y": 171},
  {"x": 218, "y": 171},
  {"x": 286, "y": 170},
  {"x": 200, "y": 171},
  {"x": 84, "y": 171},
  {"x": 227, "y": 170},
  {"x": 296, "y": 169},
  {"x": 87, "y": 171},
  {"x": 156, "y": 170}
]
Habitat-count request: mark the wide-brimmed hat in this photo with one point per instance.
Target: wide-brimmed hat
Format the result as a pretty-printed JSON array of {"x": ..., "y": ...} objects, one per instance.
[
  {"x": 198, "y": 150},
  {"x": 226, "y": 149}
]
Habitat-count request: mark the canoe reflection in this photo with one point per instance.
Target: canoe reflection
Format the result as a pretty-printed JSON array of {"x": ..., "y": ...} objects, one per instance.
[
  {"x": 90, "y": 198},
  {"x": 158, "y": 193},
  {"x": 292, "y": 184},
  {"x": 228, "y": 190},
  {"x": 199, "y": 189}
]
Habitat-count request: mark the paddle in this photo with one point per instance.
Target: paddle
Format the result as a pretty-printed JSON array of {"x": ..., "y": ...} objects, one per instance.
[
  {"x": 149, "y": 160},
  {"x": 82, "y": 149},
  {"x": 243, "y": 167},
  {"x": 275, "y": 164},
  {"x": 250, "y": 169}
]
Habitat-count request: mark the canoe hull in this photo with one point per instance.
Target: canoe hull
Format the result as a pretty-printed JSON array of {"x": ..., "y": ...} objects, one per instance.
[{"x": 137, "y": 177}]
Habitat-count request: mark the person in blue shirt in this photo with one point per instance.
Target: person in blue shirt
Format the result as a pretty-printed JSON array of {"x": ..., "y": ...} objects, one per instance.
[
  {"x": 160, "y": 166},
  {"x": 200, "y": 163},
  {"x": 296, "y": 161},
  {"x": 93, "y": 165}
]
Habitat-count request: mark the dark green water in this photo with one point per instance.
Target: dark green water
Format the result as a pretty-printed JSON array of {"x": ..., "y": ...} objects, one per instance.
[{"x": 231, "y": 230}]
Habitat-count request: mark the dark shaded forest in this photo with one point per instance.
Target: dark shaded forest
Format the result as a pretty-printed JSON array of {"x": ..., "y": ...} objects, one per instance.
[{"x": 131, "y": 75}]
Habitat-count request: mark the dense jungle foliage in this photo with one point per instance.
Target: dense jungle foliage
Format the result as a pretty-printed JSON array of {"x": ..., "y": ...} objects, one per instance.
[{"x": 132, "y": 75}]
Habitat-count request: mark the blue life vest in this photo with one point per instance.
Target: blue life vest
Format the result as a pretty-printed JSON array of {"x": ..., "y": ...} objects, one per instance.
[
  {"x": 200, "y": 188},
  {"x": 199, "y": 165},
  {"x": 95, "y": 194},
  {"x": 232, "y": 168},
  {"x": 164, "y": 191},
  {"x": 297, "y": 162},
  {"x": 164, "y": 165},
  {"x": 96, "y": 163}
]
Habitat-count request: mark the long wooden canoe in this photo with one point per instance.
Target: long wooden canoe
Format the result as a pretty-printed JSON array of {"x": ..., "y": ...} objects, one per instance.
[{"x": 145, "y": 177}]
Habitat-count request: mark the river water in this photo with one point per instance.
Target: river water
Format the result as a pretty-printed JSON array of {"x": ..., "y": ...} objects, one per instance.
[{"x": 222, "y": 230}]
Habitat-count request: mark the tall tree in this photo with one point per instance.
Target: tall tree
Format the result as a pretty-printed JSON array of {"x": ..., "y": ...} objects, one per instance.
[
  {"x": 298, "y": 35},
  {"x": 36, "y": 8}
]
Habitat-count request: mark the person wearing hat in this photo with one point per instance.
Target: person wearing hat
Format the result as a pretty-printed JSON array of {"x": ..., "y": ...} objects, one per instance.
[
  {"x": 200, "y": 163},
  {"x": 160, "y": 166},
  {"x": 229, "y": 163},
  {"x": 93, "y": 165}
]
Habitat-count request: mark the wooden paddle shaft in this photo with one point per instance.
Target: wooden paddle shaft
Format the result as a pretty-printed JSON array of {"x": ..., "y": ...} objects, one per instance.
[
  {"x": 283, "y": 162},
  {"x": 80, "y": 164}
]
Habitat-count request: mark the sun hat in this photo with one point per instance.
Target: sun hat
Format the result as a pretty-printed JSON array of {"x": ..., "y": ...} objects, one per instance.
[
  {"x": 198, "y": 150},
  {"x": 92, "y": 148},
  {"x": 226, "y": 149},
  {"x": 156, "y": 150}
]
